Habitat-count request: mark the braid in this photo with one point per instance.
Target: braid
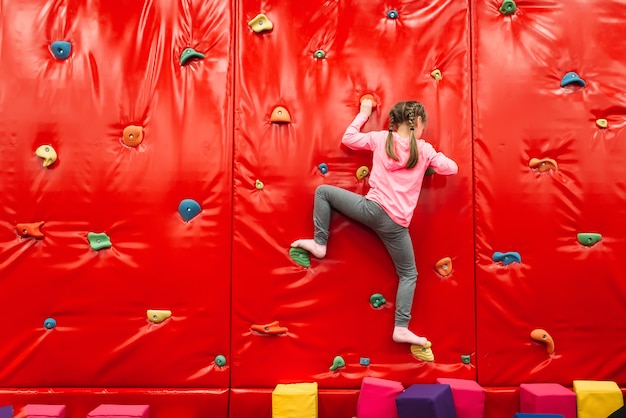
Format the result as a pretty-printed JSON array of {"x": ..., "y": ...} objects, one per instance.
[
  {"x": 389, "y": 145},
  {"x": 413, "y": 155}
]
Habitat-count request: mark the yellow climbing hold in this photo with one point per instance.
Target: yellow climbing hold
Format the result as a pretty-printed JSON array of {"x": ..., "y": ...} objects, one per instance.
[
  {"x": 260, "y": 23},
  {"x": 48, "y": 154},
  {"x": 362, "y": 172},
  {"x": 423, "y": 352},
  {"x": 158, "y": 315},
  {"x": 259, "y": 185},
  {"x": 436, "y": 74},
  {"x": 602, "y": 123}
]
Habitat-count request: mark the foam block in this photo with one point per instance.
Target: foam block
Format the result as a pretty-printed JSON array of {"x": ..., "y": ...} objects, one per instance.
[
  {"x": 547, "y": 398},
  {"x": 597, "y": 398},
  {"x": 6, "y": 411},
  {"x": 377, "y": 398},
  {"x": 426, "y": 401},
  {"x": 524, "y": 415},
  {"x": 120, "y": 411},
  {"x": 468, "y": 396},
  {"x": 295, "y": 400},
  {"x": 44, "y": 411}
]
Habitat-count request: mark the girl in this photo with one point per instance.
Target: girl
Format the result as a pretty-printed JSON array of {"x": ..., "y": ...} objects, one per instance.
[{"x": 398, "y": 167}]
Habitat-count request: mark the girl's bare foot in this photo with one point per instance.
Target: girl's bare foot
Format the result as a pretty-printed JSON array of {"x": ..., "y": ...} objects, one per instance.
[
  {"x": 403, "y": 335},
  {"x": 316, "y": 250}
]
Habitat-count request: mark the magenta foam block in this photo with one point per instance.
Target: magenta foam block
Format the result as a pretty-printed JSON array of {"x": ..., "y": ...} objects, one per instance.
[
  {"x": 547, "y": 398},
  {"x": 377, "y": 398},
  {"x": 426, "y": 401},
  {"x": 468, "y": 396},
  {"x": 44, "y": 411},
  {"x": 120, "y": 411}
]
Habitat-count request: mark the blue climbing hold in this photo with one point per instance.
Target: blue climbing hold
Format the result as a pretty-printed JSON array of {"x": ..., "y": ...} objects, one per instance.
[
  {"x": 323, "y": 167},
  {"x": 572, "y": 78},
  {"x": 507, "y": 258},
  {"x": 392, "y": 14},
  {"x": 61, "y": 49},
  {"x": 49, "y": 323},
  {"x": 189, "y": 209},
  {"x": 364, "y": 361}
]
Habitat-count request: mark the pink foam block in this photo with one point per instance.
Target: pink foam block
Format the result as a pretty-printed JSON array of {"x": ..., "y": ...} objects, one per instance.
[
  {"x": 547, "y": 398},
  {"x": 468, "y": 396},
  {"x": 120, "y": 411},
  {"x": 377, "y": 398},
  {"x": 44, "y": 411}
]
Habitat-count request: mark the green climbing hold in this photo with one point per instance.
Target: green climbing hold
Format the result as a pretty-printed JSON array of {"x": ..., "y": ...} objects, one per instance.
[
  {"x": 377, "y": 300},
  {"x": 508, "y": 7},
  {"x": 300, "y": 256},
  {"x": 99, "y": 241},
  {"x": 338, "y": 362},
  {"x": 429, "y": 171},
  {"x": 320, "y": 54},
  {"x": 466, "y": 358},
  {"x": 589, "y": 238},
  {"x": 220, "y": 360},
  {"x": 190, "y": 53}
]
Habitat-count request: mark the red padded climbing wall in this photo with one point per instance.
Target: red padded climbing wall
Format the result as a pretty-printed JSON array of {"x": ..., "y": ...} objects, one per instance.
[{"x": 539, "y": 163}]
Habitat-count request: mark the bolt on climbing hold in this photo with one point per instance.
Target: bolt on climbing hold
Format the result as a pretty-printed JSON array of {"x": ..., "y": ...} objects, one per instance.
[
  {"x": 370, "y": 97},
  {"x": 466, "y": 358},
  {"x": 259, "y": 185},
  {"x": 508, "y": 7},
  {"x": 429, "y": 171},
  {"x": 320, "y": 54},
  {"x": 99, "y": 241},
  {"x": 188, "y": 54},
  {"x": 507, "y": 258},
  {"x": 444, "y": 266},
  {"x": 48, "y": 154},
  {"x": 30, "y": 230},
  {"x": 61, "y": 49},
  {"x": 132, "y": 135},
  {"x": 602, "y": 123},
  {"x": 49, "y": 323},
  {"x": 364, "y": 361},
  {"x": 220, "y": 360},
  {"x": 436, "y": 74},
  {"x": 589, "y": 238},
  {"x": 572, "y": 78},
  {"x": 362, "y": 172},
  {"x": 273, "y": 328},
  {"x": 377, "y": 300},
  {"x": 338, "y": 362},
  {"x": 423, "y": 352},
  {"x": 260, "y": 23},
  {"x": 543, "y": 164},
  {"x": 542, "y": 336},
  {"x": 189, "y": 209},
  {"x": 158, "y": 315},
  {"x": 280, "y": 115},
  {"x": 323, "y": 167},
  {"x": 392, "y": 14},
  {"x": 300, "y": 256}
]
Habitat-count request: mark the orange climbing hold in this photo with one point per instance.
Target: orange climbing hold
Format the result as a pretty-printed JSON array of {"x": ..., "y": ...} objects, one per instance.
[
  {"x": 542, "y": 336},
  {"x": 369, "y": 96},
  {"x": 133, "y": 135},
  {"x": 444, "y": 266},
  {"x": 32, "y": 230},
  {"x": 273, "y": 328},
  {"x": 543, "y": 164},
  {"x": 280, "y": 115}
]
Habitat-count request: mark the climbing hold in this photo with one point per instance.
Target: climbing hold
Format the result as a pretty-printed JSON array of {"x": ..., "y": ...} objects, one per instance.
[
  {"x": 507, "y": 258},
  {"x": 273, "y": 328},
  {"x": 259, "y": 185},
  {"x": 338, "y": 362},
  {"x": 49, "y": 323},
  {"x": 32, "y": 230},
  {"x": 572, "y": 78},
  {"x": 48, "y": 154},
  {"x": 364, "y": 361},
  {"x": 158, "y": 315},
  {"x": 99, "y": 241},
  {"x": 320, "y": 54},
  {"x": 508, "y": 7},
  {"x": 589, "y": 238},
  {"x": 542, "y": 336},
  {"x": 466, "y": 358},
  {"x": 300, "y": 256},
  {"x": 602, "y": 123},
  {"x": 220, "y": 360},
  {"x": 260, "y": 23},
  {"x": 377, "y": 300},
  {"x": 423, "y": 352},
  {"x": 280, "y": 115},
  {"x": 444, "y": 266},
  {"x": 436, "y": 74},
  {"x": 132, "y": 135},
  {"x": 429, "y": 171},
  {"x": 392, "y": 14},
  {"x": 543, "y": 164},
  {"x": 189, "y": 209},
  {"x": 323, "y": 167},
  {"x": 188, "y": 54},
  {"x": 371, "y": 97},
  {"x": 362, "y": 172},
  {"x": 61, "y": 49}
]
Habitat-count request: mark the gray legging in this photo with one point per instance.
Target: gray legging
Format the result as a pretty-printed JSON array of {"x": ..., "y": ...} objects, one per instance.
[{"x": 395, "y": 237}]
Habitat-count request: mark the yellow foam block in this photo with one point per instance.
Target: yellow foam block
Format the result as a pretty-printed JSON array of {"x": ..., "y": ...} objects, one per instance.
[
  {"x": 597, "y": 398},
  {"x": 295, "y": 400}
]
